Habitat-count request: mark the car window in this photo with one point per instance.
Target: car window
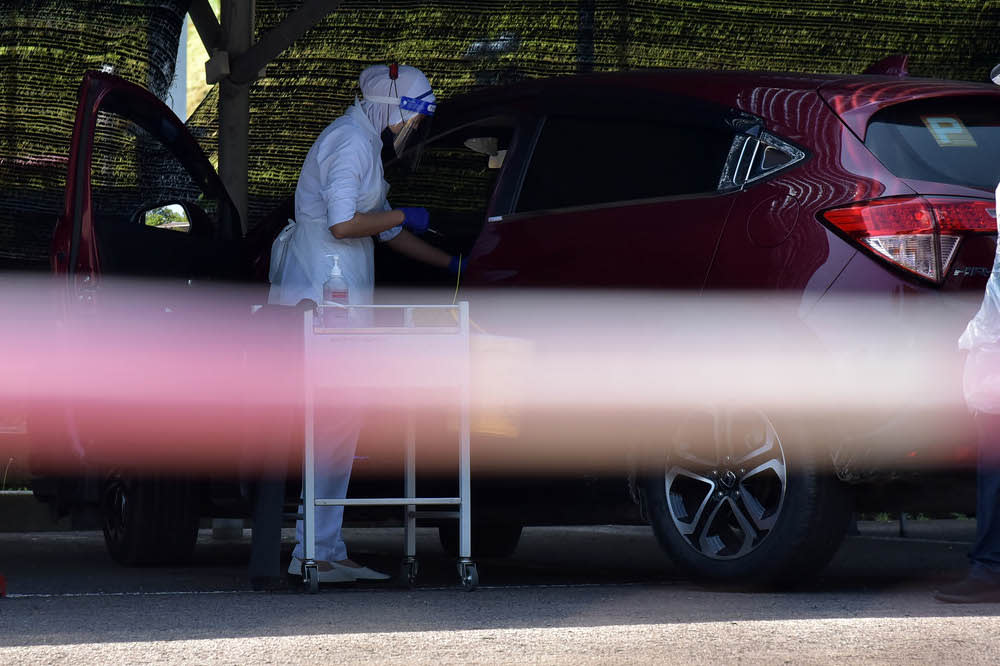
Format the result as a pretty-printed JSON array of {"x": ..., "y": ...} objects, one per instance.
[
  {"x": 172, "y": 217},
  {"x": 943, "y": 140},
  {"x": 581, "y": 161},
  {"x": 136, "y": 180},
  {"x": 453, "y": 175}
]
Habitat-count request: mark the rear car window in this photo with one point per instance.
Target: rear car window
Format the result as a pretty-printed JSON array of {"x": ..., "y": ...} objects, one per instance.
[
  {"x": 586, "y": 161},
  {"x": 952, "y": 140}
]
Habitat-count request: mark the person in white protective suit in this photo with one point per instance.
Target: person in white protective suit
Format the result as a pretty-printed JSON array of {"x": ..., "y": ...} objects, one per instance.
[
  {"x": 340, "y": 203},
  {"x": 981, "y": 383}
]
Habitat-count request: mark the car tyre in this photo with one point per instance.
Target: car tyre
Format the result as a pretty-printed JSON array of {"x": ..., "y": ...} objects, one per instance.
[
  {"x": 760, "y": 512},
  {"x": 149, "y": 520},
  {"x": 488, "y": 540}
]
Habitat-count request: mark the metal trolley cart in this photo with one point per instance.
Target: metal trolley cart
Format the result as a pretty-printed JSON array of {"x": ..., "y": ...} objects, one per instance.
[{"x": 327, "y": 348}]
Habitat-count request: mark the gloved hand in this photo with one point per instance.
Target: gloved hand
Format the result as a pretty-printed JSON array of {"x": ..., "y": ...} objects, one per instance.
[
  {"x": 456, "y": 265},
  {"x": 416, "y": 219}
]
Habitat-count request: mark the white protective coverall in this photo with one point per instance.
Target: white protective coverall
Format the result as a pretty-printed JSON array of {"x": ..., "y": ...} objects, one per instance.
[
  {"x": 342, "y": 175},
  {"x": 981, "y": 338}
]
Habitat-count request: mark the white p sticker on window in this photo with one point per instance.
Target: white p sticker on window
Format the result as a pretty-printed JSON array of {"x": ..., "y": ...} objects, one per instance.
[{"x": 949, "y": 131}]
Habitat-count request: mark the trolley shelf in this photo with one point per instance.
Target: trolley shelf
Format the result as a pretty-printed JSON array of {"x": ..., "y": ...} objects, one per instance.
[{"x": 391, "y": 501}]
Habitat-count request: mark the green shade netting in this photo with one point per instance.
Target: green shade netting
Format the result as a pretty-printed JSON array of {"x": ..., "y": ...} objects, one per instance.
[{"x": 45, "y": 48}]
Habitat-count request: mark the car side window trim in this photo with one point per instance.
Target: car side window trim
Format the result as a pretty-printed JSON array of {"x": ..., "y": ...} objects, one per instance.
[
  {"x": 510, "y": 217},
  {"x": 524, "y": 166}
]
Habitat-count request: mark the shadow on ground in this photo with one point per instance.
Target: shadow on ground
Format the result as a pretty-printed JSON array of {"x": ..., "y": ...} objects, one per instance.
[{"x": 64, "y": 589}]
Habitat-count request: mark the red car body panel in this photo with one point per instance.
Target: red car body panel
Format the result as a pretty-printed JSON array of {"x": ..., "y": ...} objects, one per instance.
[
  {"x": 77, "y": 201},
  {"x": 586, "y": 247}
]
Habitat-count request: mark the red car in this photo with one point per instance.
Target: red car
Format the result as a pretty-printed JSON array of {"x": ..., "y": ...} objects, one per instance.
[{"x": 812, "y": 186}]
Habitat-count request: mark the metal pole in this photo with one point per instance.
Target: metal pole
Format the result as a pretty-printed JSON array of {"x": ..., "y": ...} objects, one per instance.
[
  {"x": 465, "y": 471},
  {"x": 410, "y": 476},
  {"x": 309, "y": 459},
  {"x": 411, "y": 486}
]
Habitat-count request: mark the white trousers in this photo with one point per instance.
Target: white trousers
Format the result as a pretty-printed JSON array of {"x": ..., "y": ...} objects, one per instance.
[{"x": 336, "y": 437}]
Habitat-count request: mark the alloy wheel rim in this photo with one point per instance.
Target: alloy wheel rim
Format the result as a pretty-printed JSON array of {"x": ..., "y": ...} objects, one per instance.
[{"x": 725, "y": 482}]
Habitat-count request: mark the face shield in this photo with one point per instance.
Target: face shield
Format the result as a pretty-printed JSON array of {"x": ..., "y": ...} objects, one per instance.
[
  {"x": 411, "y": 115},
  {"x": 416, "y": 112}
]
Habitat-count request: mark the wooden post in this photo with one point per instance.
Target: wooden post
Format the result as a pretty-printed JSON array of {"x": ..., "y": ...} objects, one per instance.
[
  {"x": 234, "y": 64},
  {"x": 234, "y": 105}
]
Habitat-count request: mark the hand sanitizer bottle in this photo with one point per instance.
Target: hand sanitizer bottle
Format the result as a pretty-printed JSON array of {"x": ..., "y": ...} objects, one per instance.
[{"x": 336, "y": 297}]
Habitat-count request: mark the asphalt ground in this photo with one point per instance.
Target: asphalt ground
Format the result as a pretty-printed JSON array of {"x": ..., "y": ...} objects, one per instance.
[{"x": 568, "y": 595}]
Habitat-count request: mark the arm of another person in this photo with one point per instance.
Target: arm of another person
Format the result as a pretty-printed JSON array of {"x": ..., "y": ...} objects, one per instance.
[{"x": 410, "y": 246}]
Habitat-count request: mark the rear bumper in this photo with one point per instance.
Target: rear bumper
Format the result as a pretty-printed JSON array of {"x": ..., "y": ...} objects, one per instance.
[{"x": 892, "y": 333}]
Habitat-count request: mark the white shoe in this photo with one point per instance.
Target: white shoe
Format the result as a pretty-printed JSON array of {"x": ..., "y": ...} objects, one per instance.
[
  {"x": 360, "y": 573},
  {"x": 328, "y": 572}
]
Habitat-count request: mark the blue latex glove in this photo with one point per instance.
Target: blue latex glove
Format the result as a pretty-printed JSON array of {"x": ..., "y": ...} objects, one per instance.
[
  {"x": 456, "y": 265},
  {"x": 416, "y": 219}
]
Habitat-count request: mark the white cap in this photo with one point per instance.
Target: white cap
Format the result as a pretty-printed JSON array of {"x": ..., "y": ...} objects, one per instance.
[{"x": 377, "y": 86}]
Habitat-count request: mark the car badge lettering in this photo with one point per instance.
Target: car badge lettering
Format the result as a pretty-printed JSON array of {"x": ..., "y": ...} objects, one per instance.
[{"x": 972, "y": 271}]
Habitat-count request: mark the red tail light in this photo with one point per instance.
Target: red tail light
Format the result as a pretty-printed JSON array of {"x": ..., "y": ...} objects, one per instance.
[{"x": 918, "y": 234}]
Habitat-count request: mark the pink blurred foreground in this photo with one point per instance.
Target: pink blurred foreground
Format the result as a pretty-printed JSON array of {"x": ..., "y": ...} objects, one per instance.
[{"x": 558, "y": 379}]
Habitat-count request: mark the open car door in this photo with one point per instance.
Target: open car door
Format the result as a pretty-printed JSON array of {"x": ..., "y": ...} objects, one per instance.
[
  {"x": 146, "y": 230},
  {"x": 142, "y": 199}
]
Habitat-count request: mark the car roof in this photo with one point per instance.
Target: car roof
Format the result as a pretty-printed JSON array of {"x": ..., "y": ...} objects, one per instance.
[
  {"x": 664, "y": 80},
  {"x": 724, "y": 87},
  {"x": 857, "y": 99}
]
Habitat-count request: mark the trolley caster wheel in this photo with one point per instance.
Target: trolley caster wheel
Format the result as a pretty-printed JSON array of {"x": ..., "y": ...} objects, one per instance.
[
  {"x": 310, "y": 576},
  {"x": 408, "y": 571},
  {"x": 469, "y": 575}
]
